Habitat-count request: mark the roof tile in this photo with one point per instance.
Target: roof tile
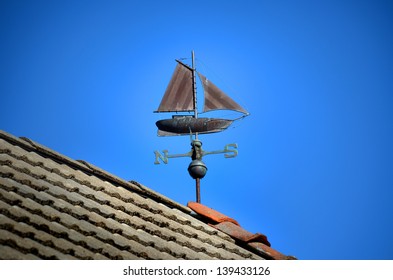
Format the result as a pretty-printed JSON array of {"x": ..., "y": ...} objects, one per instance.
[
  {"x": 54, "y": 207},
  {"x": 231, "y": 227},
  {"x": 27, "y": 245},
  {"x": 210, "y": 213},
  {"x": 241, "y": 234},
  {"x": 62, "y": 245},
  {"x": 8, "y": 253}
]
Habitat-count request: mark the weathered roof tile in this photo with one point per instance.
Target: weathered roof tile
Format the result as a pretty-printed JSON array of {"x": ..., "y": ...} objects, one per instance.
[
  {"x": 28, "y": 245},
  {"x": 8, "y": 252},
  {"x": 54, "y": 207},
  {"x": 230, "y": 226},
  {"x": 62, "y": 245}
]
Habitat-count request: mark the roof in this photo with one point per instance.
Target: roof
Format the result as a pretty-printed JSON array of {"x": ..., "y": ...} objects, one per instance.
[{"x": 53, "y": 207}]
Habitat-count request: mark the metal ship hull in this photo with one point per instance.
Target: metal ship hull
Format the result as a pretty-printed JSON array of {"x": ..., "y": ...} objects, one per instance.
[{"x": 187, "y": 124}]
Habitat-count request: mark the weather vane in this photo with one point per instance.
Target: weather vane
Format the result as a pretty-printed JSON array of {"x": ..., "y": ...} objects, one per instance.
[{"x": 181, "y": 96}]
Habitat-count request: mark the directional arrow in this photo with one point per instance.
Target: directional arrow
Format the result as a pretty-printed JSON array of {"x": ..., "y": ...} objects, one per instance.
[{"x": 229, "y": 151}]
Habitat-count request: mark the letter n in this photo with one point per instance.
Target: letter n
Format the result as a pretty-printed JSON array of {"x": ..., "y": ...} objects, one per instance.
[{"x": 163, "y": 158}]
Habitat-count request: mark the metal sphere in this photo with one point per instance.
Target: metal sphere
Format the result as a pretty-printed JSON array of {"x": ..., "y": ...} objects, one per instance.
[
  {"x": 196, "y": 143},
  {"x": 197, "y": 169}
]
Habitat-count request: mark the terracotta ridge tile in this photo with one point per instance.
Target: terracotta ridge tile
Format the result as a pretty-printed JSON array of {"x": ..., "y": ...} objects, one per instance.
[
  {"x": 239, "y": 233},
  {"x": 210, "y": 213},
  {"x": 274, "y": 254},
  {"x": 258, "y": 242}
]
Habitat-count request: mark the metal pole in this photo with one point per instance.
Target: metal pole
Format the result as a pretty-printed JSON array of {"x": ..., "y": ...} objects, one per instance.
[
  {"x": 197, "y": 180},
  {"x": 194, "y": 85},
  {"x": 198, "y": 190},
  {"x": 194, "y": 89}
]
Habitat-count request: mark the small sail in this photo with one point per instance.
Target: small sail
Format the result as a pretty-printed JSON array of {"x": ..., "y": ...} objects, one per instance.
[
  {"x": 215, "y": 99},
  {"x": 178, "y": 96}
]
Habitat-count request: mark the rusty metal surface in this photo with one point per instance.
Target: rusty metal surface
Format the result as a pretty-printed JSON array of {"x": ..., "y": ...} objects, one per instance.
[
  {"x": 216, "y": 99},
  {"x": 198, "y": 189},
  {"x": 239, "y": 233},
  {"x": 197, "y": 169},
  {"x": 209, "y": 213},
  {"x": 178, "y": 96},
  {"x": 183, "y": 125}
]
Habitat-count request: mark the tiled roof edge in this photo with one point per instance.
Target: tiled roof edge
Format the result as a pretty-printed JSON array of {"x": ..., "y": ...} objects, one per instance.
[
  {"x": 90, "y": 169},
  {"x": 258, "y": 243}
]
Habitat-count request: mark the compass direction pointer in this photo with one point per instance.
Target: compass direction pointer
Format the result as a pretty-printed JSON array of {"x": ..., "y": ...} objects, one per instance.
[
  {"x": 164, "y": 157},
  {"x": 229, "y": 151}
]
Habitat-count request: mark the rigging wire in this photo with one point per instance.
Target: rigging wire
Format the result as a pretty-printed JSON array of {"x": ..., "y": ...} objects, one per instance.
[{"x": 231, "y": 90}]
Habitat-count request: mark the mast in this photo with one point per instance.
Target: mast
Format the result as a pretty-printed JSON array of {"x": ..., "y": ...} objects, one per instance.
[
  {"x": 194, "y": 86},
  {"x": 197, "y": 178}
]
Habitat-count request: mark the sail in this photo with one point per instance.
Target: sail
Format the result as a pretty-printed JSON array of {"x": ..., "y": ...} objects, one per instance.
[
  {"x": 178, "y": 96},
  {"x": 215, "y": 99}
]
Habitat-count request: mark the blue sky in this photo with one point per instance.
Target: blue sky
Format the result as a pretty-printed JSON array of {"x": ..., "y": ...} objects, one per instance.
[{"x": 314, "y": 170}]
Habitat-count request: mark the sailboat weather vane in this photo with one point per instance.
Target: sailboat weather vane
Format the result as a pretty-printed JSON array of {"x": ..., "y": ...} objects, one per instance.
[{"x": 181, "y": 96}]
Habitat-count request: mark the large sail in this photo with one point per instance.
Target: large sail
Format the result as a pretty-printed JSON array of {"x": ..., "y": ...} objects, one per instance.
[
  {"x": 216, "y": 99},
  {"x": 178, "y": 96}
]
